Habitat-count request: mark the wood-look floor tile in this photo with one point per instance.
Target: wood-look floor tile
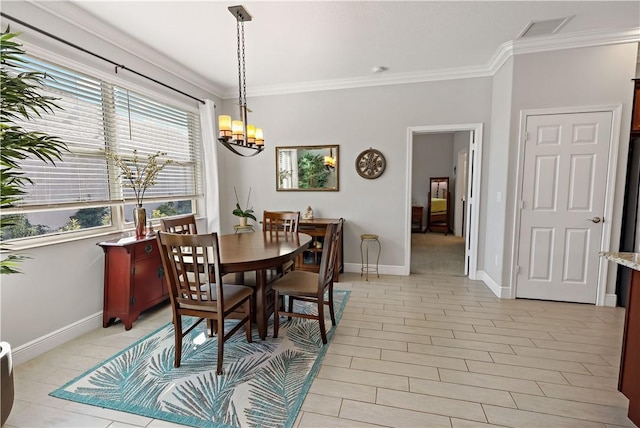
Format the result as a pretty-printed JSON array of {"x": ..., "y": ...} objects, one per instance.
[
  {"x": 383, "y": 313},
  {"x": 462, "y": 423},
  {"x": 531, "y": 326},
  {"x": 390, "y": 416},
  {"x": 602, "y": 350},
  {"x": 470, "y": 344},
  {"x": 527, "y": 419},
  {"x": 322, "y": 404},
  {"x": 469, "y": 313},
  {"x": 572, "y": 409},
  {"x": 584, "y": 395},
  {"x": 458, "y": 320},
  {"x": 518, "y": 372},
  {"x": 392, "y": 335},
  {"x": 493, "y": 338},
  {"x": 431, "y": 404},
  {"x": 338, "y": 389},
  {"x": 370, "y": 342},
  {"x": 337, "y": 360},
  {"x": 490, "y": 381},
  {"x": 424, "y": 360},
  {"x": 315, "y": 420},
  {"x": 457, "y": 391},
  {"x": 370, "y": 321},
  {"x": 354, "y": 351},
  {"x": 394, "y": 368},
  {"x": 418, "y": 330},
  {"x": 439, "y": 325},
  {"x": 443, "y": 351},
  {"x": 364, "y": 377},
  {"x": 579, "y": 357},
  {"x": 590, "y": 381},
  {"x": 540, "y": 363},
  {"x": 531, "y": 334}
]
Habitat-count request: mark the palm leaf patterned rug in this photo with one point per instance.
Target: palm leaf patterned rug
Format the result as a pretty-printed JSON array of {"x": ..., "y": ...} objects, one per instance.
[{"x": 263, "y": 385}]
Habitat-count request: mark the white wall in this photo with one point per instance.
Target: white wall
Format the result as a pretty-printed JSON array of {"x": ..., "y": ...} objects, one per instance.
[
  {"x": 355, "y": 119},
  {"x": 572, "y": 78},
  {"x": 498, "y": 176},
  {"x": 432, "y": 154}
]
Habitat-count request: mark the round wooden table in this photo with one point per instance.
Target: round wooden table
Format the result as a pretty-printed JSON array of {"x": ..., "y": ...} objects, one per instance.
[{"x": 259, "y": 252}]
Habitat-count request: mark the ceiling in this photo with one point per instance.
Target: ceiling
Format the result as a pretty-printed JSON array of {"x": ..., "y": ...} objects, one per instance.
[{"x": 310, "y": 43}]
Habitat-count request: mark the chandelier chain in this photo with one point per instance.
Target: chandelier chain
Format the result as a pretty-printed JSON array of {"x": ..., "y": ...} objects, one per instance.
[
  {"x": 244, "y": 77},
  {"x": 239, "y": 68}
]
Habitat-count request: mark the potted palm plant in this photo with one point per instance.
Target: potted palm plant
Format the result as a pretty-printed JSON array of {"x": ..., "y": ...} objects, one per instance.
[
  {"x": 20, "y": 99},
  {"x": 243, "y": 213}
]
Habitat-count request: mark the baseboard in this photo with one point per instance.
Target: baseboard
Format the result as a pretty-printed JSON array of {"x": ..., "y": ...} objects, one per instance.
[
  {"x": 383, "y": 269},
  {"x": 39, "y": 346},
  {"x": 611, "y": 300},
  {"x": 497, "y": 289}
]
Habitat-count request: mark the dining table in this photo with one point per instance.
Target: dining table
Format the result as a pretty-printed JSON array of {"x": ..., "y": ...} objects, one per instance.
[{"x": 259, "y": 252}]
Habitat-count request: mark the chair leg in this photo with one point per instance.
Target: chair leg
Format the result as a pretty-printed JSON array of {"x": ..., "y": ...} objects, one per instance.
[
  {"x": 331, "y": 311},
  {"x": 221, "y": 340},
  {"x": 247, "y": 313},
  {"x": 323, "y": 330},
  {"x": 212, "y": 327},
  {"x": 276, "y": 313},
  {"x": 290, "y": 310},
  {"x": 177, "y": 326}
]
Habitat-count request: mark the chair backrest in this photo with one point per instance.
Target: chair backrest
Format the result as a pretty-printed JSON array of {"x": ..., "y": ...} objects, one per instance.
[
  {"x": 192, "y": 269},
  {"x": 287, "y": 221},
  {"x": 184, "y": 224},
  {"x": 330, "y": 248}
]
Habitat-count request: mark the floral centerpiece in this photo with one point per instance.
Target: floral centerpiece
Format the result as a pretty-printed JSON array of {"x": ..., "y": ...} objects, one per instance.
[
  {"x": 245, "y": 213},
  {"x": 139, "y": 176}
]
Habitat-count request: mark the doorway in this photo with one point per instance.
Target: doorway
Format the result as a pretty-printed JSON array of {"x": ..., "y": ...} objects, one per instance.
[{"x": 472, "y": 173}]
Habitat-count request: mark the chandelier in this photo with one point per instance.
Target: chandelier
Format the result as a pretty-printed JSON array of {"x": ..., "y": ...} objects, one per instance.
[{"x": 237, "y": 135}]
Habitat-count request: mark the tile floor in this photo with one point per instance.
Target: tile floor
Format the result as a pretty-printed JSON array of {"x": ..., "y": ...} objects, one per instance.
[{"x": 416, "y": 351}]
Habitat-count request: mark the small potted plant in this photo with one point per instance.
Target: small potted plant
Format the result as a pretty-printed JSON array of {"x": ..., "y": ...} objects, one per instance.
[{"x": 241, "y": 213}]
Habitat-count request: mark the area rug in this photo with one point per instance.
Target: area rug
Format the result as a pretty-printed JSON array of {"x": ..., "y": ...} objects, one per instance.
[{"x": 263, "y": 385}]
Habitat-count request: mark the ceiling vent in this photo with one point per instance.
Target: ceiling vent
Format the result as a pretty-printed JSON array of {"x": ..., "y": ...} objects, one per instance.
[{"x": 543, "y": 28}]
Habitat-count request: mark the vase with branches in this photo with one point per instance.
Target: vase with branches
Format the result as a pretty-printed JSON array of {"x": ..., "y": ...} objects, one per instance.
[{"x": 139, "y": 176}]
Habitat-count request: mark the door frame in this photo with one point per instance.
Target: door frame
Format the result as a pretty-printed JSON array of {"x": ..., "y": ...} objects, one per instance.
[
  {"x": 474, "y": 165},
  {"x": 614, "y": 143}
]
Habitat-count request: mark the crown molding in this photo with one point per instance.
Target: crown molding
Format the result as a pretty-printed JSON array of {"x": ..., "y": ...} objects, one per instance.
[
  {"x": 362, "y": 82},
  {"x": 88, "y": 23}
]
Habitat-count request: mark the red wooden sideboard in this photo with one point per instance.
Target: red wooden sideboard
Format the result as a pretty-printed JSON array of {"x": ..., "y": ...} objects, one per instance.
[{"x": 133, "y": 279}]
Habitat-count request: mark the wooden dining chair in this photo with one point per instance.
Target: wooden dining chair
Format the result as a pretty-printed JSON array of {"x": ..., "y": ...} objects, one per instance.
[
  {"x": 282, "y": 221},
  {"x": 310, "y": 286},
  {"x": 192, "y": 269},
  {"x": 286, "y": 221},
  {"x": 184, "y": 224}
]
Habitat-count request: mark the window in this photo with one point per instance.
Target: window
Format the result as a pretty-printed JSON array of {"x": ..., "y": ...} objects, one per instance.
[{"x": 84, "y": 191}]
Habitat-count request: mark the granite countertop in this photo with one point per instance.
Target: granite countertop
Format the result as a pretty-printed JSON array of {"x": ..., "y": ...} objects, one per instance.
[{"x": 630, "y": 260}]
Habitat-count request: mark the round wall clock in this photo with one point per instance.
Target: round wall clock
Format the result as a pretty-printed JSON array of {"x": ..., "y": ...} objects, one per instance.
[{"x": 370, "y": 163}]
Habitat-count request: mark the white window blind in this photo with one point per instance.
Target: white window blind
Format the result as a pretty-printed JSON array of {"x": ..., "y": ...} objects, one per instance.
[{"x": 95, "y": 116}]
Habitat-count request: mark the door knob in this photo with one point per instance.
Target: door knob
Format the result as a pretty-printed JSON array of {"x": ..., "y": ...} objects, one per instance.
[{"x": 595, "y": 219}]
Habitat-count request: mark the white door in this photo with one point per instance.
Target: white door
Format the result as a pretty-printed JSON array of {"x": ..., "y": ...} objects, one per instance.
[
  {"x": 562, "y": 207},
  {"x": 461, "y": 193},
  {"x": 472, "y": 177}
]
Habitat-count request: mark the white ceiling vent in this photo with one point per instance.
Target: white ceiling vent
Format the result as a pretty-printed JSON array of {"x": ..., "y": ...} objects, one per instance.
[{"x": 543, "y": 28}]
